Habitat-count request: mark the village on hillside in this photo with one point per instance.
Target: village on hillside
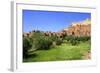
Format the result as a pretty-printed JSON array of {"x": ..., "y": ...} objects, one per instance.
[{"x": 82, "y": 28}]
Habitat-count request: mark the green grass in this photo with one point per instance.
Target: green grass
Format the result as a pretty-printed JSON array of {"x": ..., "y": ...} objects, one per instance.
[{"x": 60, "y": 53}]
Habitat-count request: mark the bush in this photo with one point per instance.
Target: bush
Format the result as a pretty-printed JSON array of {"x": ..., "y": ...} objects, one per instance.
[
  {"x": 46, "y": 43},
  {"x": 27, "y": 44},
  {"x": 59, "y": 41},
  {"x": 42, "y": 43},
  {"x": 53, "y": 38},
  {"x": 74, "y": 40},
  {"x": 68, "y": 38}
]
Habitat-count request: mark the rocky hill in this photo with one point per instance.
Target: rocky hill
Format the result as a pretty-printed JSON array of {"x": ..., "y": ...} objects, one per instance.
[{"x": 82, "y": 28}]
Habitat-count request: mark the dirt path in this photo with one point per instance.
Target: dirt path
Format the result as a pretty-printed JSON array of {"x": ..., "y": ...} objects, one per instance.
[{"x": 87, "y": 55}]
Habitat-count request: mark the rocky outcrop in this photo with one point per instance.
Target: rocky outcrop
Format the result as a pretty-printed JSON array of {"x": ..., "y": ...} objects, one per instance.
[{"x": 79, "y": 29}]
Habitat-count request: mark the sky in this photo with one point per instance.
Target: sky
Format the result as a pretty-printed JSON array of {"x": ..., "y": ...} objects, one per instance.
[{"x": 50, "y": 20}]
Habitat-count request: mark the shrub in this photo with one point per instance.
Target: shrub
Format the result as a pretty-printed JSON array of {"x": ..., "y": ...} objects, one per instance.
[
  {"x": 42, "y": 43},
  {"x": 53, "y": 38},
  {"x": 68, "y": 38},
  {"x": 83, "y": 38},
  {"x": 65, "y": 41},
  {"x": 27, "y": 44},
  {"x": 74, "y": 40},
  {"x": 59, "y": 41}
]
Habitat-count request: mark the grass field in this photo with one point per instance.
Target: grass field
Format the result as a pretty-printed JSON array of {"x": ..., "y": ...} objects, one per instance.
[{"x": 60, "y": 53}]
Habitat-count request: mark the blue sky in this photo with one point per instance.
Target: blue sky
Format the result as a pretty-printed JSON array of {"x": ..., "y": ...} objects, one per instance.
[{"x": 50, "y": 20}]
